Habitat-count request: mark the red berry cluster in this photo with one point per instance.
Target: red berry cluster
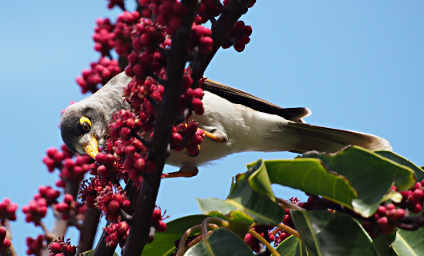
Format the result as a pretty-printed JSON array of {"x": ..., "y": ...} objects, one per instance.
[
  {"x": 62, "y": 248},
  {"x": 202, "y": 39},
  {"x": 123, "y": 31},
  {"x": 7, "y": 210},
  {"x": 90, "y": 189},
  {"x": 35, "y": 245},
  {"x": 167, "y": 13},
  {"x": 69, "y": 207},
  {"x": 100, "y": 73},
  {"x": 117, "y": 233},
  {"x": 252, "y": 242},
  {"x": 106, "y": 167},
  {"x": 4, "y": 242},
  {"x": 131, "y": 152},
  {"x": 413, "y": 198},
  {"x": 208, "y": 9},
  {"x": 111, "y": 202},
  {"x": 74, "y": 170},
  {"x": 54, "y": 157},
  {"x": 191, "y": 99},
  {"x": 142, "y": 98},
  {"x": 103, "y": 36},
  {"x": 188, "y": 136},
  {"x": 157, "y": 220},
  {"x": 146, "y": 58},
  {"x": 240, "y": 36},
  {"x": 386, "y": 217},
  {"x": 35, "y": 210},
  {"x": 48, "y": 193},
  {"x": 119, "y": 3}
]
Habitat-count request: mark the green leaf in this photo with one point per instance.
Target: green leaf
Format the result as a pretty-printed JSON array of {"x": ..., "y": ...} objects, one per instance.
[
  {"x": 409, "y": 243},
  {"x": 419, "y": 172},
  {"x": 310, "y": 176},
  {"x": 291, "y": 246},
  {"x": 164, "y": 242},
  {"x": 383, "y": 244},
  {"x": 370, "y": 174},
  {"x": 258, "y": 205},
  {"x": 222, "y": 242},
  {"x": 328, "y": 234}
]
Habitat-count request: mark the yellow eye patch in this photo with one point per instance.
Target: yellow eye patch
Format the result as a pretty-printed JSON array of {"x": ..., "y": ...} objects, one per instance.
[{"x": 84, "y": 121}]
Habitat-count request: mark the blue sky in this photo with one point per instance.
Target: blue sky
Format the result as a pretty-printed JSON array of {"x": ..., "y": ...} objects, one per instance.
[{"x": 356, "y": 64}]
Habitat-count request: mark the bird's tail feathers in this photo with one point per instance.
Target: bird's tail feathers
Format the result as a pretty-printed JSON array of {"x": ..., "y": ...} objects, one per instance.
[{"x": 306, "y": 137}]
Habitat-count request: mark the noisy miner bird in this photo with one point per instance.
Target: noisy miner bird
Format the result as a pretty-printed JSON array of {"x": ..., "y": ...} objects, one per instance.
[{"x": 233, "y": 121}]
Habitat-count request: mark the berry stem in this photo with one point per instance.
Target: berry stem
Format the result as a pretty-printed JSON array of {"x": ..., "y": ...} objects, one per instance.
[
  {"x": 205, "y": 224},
  {"x": 288, "y": 205},
  {"x": 182, "y": 243},
  {"x": 288, "y": 229},
  {"x": 265, "y": 242}
]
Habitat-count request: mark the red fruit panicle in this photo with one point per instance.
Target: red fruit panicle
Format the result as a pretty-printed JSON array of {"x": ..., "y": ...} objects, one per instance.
[
  {"x": 111, "y": 201},
  {"x": 35, "y": 245},
  {"x": 99, "y": 74},
  {"x": 8, "y": 210},
  {"x": 61, "y": 248},
  {"x": 117, "y": 233}
]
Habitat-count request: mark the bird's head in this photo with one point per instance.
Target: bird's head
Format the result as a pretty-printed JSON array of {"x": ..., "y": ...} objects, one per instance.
[{"x": 83, "y": 127}]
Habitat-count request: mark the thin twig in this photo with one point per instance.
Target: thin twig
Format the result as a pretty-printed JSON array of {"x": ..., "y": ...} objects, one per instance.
[
  {"x": 264, "y": 241},
  {"x": 288, "y": 229},
  {"x": 288, "y": 205},
  {"x": 186, "y": 235}
]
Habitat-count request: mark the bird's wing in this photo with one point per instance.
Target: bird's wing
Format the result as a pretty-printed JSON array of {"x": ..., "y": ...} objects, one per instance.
[{"x": 240, "y": 97}]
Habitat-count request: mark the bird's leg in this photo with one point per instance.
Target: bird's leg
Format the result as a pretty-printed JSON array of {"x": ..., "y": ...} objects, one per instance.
[
  {"x": 215, "y": 137},
  {"x": 184, "y": 171}
]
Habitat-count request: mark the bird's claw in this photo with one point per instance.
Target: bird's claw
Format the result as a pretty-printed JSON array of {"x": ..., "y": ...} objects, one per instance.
[
  {"x": 183, "y": 172},
  {"x": 216, "y": 138}
]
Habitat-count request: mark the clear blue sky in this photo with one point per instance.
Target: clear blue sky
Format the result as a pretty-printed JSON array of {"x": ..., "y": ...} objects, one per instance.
[{"x": 356, "y": 64}]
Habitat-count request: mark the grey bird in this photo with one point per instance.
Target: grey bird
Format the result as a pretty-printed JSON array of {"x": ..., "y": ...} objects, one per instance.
[{"x": 234, "y": 121}]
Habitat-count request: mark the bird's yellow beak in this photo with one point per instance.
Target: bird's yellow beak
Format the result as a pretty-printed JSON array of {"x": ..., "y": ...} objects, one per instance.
[{"x": 92, "y": 148}]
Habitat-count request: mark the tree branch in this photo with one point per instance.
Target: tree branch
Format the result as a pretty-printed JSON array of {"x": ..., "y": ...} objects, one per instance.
[
  {"x": 146, "y": 197},
  {"x": 89, "y": 229}
]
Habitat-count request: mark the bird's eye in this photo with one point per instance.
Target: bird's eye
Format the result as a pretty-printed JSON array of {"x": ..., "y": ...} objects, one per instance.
[{"x": 85, "y": 123}]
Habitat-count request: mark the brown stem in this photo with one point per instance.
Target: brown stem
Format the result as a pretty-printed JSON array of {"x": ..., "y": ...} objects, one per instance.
[
  {"x": 60, "y": 227},
  {"x": 88, "y": 229},
  {"x": 146, "y": 198},
  {"x": 287, "y": 204},
  {"x": 9, "y": 251}
]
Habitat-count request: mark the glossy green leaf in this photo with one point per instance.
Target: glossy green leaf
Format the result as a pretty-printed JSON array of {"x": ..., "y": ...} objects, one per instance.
[
  {"x": 419, "y": 172},
  {"x": 258, "y": 205},
  {"x": 291, "y": 246},
  {"x": 222, "y": 242},
  {"x": 409, "y": 243},
  {"x": 370, "y": 174},
  {"x": 329, "y": 234},
  {"x": 164, "y": 242},
  {"x": 310, "y": 176},
  {"x": 383, "y": 244}
]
